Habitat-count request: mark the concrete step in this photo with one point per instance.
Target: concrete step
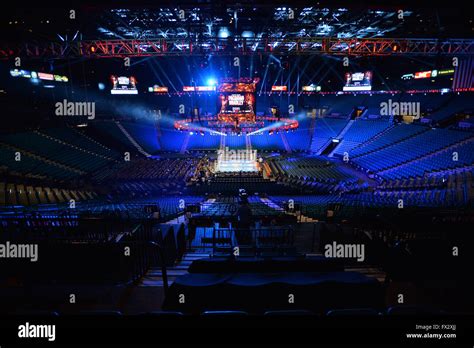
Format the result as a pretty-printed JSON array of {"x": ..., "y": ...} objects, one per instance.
[
  {"x": 185, "y": 263},
  {"x": 171, "y": 273},
  {"x": 185, "y": 267},
  {"x": 154, "y": 282},
  {"x": 196, "y": 255},
  {"x": 192, "y": 258}
]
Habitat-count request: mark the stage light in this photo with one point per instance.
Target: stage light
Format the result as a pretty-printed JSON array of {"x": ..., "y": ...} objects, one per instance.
[
  {"x": 191, "y": 133},
  {"x": 93, "y": 49},
  {"x": 101, "y": 86},
  {"x": 248, "y": 34},
  {"x": 223, "y": 33},
  {"x": 211, "y": 82}
]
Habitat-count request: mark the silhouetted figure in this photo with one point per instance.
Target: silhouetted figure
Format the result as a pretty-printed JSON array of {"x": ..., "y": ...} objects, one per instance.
[{"x": 244, "y": 223}]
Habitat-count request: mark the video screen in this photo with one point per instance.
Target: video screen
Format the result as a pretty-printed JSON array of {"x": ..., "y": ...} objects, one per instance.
[
  {"x": 236, "y": 101},
  {"x": 123, "y": 85},
  {"x": 358, "y": 81}
]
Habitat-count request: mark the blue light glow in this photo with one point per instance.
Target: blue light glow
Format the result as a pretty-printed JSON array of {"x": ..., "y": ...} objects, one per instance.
[{"x": 211, "y": 81}]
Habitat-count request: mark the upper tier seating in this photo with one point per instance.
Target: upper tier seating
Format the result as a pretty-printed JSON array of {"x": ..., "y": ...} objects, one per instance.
[
  {"x": 206, "y": 142},
  {"x": 391, "y": 136},
  {"x": 439, "y": 161},
  {"x": 171, "y": 140},
  {"x": 325, "y": 129},
  {"x": 266, "y": 141},
  {"x": 409, "y": 149},
  {"x": 78, "y": 139},
  {"x": 33, "y": 167},
  {"x": 300, "y": 138},
  {"x": 144, "y": 134},
  {"x": 58, "y": 150},
  {"x": 361, "y": 131},
  {"x": 111, "y": 129}
]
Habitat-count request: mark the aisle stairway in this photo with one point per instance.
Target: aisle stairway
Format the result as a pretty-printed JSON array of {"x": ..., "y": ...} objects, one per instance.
[
  {"x": 154, "y": 275},
  {"x": 132, "y": 140},
  {"x": 285, "y": 142}
]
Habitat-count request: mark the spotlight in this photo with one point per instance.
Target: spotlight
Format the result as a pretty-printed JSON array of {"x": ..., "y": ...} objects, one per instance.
[
  {"x": 211, "y": 82},
  {"x": 93, "y": 49},
  {"x": 248, "y": 34},
  {"x": 223, "y": 33}
]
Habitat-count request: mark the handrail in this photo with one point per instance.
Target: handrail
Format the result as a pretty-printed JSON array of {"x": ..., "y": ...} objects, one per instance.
[
  {"x": 287, "y": 233},
  {"x": 164, "y": 272}
]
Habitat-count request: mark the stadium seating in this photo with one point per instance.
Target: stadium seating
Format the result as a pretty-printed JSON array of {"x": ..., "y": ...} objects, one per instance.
[
  {"x": 361, "y": 131},
  {"x": 58, "y": 150},
  {"x": 325, "y": 129},
  {"x": 144, "y": 134},
  {"x": 409, "y": 149}
]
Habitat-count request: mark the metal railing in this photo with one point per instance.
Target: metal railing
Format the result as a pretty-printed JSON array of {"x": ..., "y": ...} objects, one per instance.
[{"x": 256, "y": 239}]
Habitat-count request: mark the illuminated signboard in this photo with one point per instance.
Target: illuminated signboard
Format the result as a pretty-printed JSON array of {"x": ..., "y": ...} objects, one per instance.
[
  {"x": 311, "y": 88},
  {"x": 446, "y": 72},
  {"x": 34, "y": 75},
  {"x": 205, "y": 88},
  {"x": 279, "y": 88},
  {"x": 60, "y": 78},
  {"x": 199, "y": 88},
  {"x": 428, "y": 74},
  {"x": 43, "y": 76},
  {"x": 407, "y": 76},
  {"x": 158, "y": 89},
  {"x": 16, "y": 73},
  {"x": 423, "y": 74},
  {"x": 20, "y": 73}
]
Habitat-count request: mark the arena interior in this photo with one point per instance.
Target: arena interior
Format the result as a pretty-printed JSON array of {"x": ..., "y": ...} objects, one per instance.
[{"x": 251, "y": 159}]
